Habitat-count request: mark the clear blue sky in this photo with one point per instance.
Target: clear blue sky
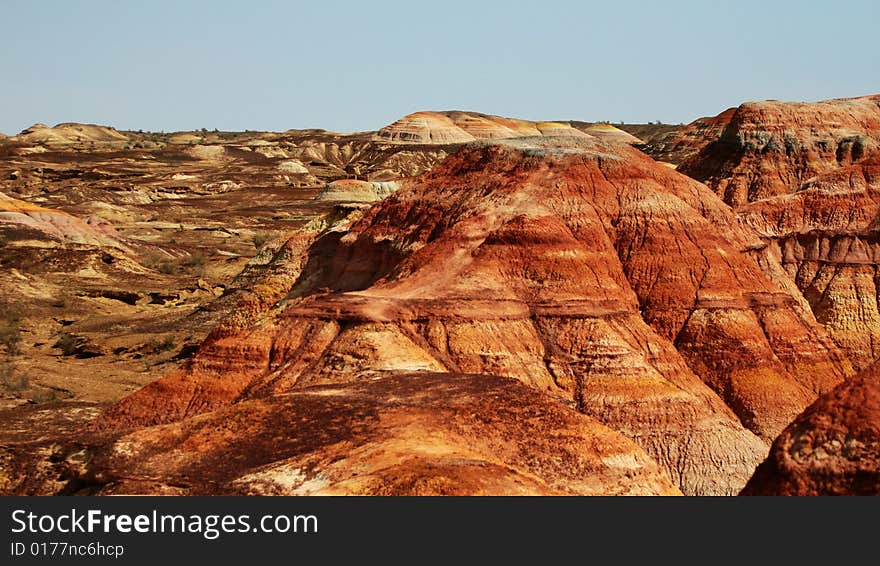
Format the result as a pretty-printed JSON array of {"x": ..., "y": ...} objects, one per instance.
[{"x": 346, "y": 66}]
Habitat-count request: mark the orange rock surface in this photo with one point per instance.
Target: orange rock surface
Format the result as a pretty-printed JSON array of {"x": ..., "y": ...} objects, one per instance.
[
  {"x": 825, "y": 237},
  {"x": 583, "y": 269},
  {"x": 418, "y": 434},
  {"x": 833, "y": 448},
  {"x": 806, "y": 178},
  {"x": 685, "y": 142},
  {"x": 772, "y": 148}
]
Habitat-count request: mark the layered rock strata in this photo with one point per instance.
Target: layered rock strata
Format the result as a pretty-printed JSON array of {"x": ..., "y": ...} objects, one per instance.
[
  {"x": 772, "y": 148},
  {"x": 455, "y": 127},
  {"x": 583, "y": 269}
]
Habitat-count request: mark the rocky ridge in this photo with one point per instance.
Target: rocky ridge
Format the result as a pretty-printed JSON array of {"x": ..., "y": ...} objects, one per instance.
[
  {"x": 541, "y": 255},
  {"x": 773, "y": 148},
  {"x": 456, "y": 127},
  {"x": 404, "y": 434},
  {"x": 805, "y": 177},
  {"x": 687, "y": 364}
]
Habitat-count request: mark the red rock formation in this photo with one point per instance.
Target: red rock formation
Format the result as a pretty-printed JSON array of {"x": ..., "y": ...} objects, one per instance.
[
  {"x": 833, "y": 448},
  {"x": 771, "y": 148},
  {"x": 806, "y": 177},
  {"x": 825, "y": 236},
  {"x": 583, "y": 269},
  {"x": 418, "y": 434},
  {"x": 684, "y": 142}
]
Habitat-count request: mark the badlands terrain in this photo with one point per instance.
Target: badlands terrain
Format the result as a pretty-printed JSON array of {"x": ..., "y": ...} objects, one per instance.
[{"x": 456, "y": 303}]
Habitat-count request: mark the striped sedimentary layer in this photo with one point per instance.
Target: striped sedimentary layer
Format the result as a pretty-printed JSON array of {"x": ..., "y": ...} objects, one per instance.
[{"x": 582, "y": 269}]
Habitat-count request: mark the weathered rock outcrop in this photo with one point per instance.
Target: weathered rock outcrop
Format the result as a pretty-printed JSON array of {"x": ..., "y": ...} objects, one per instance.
[
  {"x": 69, "y": 134},
  {"x": 806, "y": 178},
  {"x": 352, "y": 190},
  {"x": 609, "y": 133},
  {"x": 583, "y": 269},
  {"x": 292, "y": 166},
  {"x": 772, "y": 148},
  {"x": 22, "y": 220},
  {"x": 833, "y": 448},
  {"x": 826, "y": 237},
  {"x": 454, "y": 127},
  {"x": 417, "y": 434},
  {"x": 677, "y": 144},
  {"x": 424, "y": 128}
]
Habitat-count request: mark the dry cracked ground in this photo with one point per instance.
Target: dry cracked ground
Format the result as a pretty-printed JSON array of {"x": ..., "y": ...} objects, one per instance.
[{"x": 457, "y": 303}]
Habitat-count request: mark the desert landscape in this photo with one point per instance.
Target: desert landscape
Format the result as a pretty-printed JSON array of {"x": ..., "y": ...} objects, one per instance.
[{"x": 456, "y": 303}]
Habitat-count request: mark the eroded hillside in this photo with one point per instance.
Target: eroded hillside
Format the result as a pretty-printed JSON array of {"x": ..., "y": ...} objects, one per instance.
[{"x": 667, "y": 329}]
